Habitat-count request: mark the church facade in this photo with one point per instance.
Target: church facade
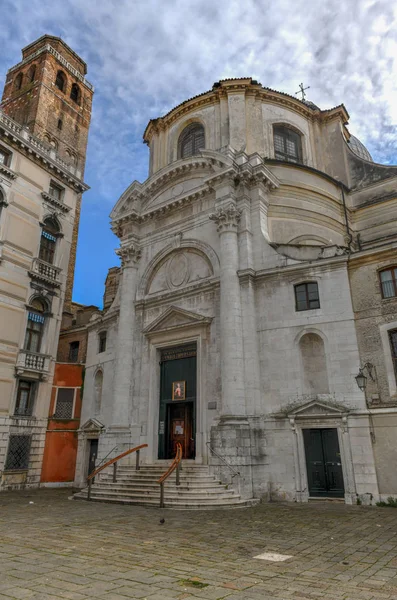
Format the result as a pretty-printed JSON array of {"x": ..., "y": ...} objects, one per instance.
[{"x": 233, "y": 329}]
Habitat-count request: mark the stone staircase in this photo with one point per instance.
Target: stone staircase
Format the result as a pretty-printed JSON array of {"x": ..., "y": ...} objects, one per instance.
[{"x": 198, "y": 489}]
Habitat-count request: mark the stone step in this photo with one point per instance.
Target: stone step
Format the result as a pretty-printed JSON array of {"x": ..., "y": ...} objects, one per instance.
[
  {"x": 215, "y": 486},
  {"x": 174, "y": 495},
  {"x": 138, "y": 480},
  {"x": 175, "y": 505}
]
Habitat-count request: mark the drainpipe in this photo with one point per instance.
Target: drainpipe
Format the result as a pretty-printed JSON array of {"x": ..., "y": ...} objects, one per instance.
[{"x": 349, "y": 235}]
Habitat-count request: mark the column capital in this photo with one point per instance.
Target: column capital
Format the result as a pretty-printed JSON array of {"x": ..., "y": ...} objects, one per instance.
[
  {"x": 226, "y": 217},
  {"x": 129, "y": 255}
]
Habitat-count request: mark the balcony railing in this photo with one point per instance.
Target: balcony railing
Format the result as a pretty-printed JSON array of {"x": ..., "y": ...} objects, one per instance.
[
  {"x": 45, "y": 272},
  {"x": 33, "y": 361}
]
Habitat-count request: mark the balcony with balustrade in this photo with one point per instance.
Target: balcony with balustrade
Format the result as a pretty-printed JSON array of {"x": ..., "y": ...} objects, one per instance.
[
  {"x": 29, "y": 363},
  {"x": 45, "y": 273}
]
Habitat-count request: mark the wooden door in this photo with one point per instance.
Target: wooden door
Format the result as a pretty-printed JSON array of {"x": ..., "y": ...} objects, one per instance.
[
  {"x": 180, "y": 430},
  {"x": 324, "y": 467}
]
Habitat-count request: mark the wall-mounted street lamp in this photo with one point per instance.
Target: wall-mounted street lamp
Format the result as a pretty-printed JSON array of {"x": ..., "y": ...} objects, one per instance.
[{"x": 361, "y": 378}]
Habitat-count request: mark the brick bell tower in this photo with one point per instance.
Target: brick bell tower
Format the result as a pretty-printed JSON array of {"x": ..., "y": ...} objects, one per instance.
[{"x": 48, "y": 93}]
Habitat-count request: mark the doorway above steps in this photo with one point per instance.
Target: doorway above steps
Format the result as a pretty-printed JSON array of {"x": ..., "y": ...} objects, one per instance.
[{"x": 198, "y": 489}]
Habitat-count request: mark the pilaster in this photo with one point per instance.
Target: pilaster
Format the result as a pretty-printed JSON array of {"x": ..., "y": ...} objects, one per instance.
[
  {"x": 130, "y": 256},
  {"x": 227, "y": 217}
]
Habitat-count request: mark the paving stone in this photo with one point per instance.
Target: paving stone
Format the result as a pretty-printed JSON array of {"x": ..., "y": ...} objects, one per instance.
[{"x": 81, "y": 551}]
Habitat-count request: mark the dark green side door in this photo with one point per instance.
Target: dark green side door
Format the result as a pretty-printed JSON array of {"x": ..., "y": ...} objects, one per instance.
[
  {"x": 179, "y": 415},
  {"x": 324, "y": 467}
]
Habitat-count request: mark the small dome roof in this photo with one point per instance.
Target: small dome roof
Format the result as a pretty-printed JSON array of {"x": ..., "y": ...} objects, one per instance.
[{"x": 359, "y": 149}]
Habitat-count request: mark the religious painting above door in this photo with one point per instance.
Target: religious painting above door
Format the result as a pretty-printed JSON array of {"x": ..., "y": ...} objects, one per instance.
[{"x": 178, "y": 390}]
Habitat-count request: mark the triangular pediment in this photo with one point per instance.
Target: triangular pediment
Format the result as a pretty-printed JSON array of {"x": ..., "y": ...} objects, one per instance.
[
  {"x": 318, "y": 408},
  {"x": 92, "y": 425},
  {"x": 176, "y": 318},
  {"x": 129, "y": 200}
]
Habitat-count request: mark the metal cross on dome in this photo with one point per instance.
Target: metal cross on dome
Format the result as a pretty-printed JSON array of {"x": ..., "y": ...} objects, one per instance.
[{"x": 302, "y": 90}]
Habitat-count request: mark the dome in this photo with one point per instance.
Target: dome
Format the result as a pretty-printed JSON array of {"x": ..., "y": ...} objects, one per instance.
[{"x": 359, "y": 149}]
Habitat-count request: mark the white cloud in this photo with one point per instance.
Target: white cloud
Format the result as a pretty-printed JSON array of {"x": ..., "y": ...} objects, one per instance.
[{"x": 145, "y": 56}]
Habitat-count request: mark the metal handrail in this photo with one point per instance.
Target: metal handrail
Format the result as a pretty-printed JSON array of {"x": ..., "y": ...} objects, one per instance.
[
  {"x": 114, "y": 462},
  {"x": 103, "y": 460},
  {"x": 176, "y": 464},
  {"x": 223, "y": 460}
]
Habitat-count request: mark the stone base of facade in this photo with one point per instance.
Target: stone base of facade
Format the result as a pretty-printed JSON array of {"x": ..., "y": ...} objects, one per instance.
[
  {"x": 17, "y": 477},
  {"x": 264, "y": 457}
]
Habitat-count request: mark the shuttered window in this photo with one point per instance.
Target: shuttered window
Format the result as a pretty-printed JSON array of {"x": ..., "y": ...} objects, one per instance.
[{"x": 388, "y": 280}]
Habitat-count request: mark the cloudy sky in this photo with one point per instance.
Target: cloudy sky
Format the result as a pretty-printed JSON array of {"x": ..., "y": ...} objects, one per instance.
[{"x": 145, "y": 56}]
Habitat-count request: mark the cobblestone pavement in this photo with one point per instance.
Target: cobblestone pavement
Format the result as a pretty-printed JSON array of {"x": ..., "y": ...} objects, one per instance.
[{"x": 51, "y": 547}]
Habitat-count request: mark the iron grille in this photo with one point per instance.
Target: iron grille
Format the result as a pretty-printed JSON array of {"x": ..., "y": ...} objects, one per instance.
[
  {"x": 18, "y": 452},
  {"x": 64, "y": 408}
]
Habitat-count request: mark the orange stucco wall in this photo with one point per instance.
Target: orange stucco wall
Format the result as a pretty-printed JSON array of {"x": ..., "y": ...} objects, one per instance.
[{"x": 59, "y": 461}]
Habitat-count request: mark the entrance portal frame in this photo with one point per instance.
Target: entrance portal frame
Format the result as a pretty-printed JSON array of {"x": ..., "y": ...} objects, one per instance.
[
  {"x": 192, "y": 328},
  {"x": 319, "y": 415}
]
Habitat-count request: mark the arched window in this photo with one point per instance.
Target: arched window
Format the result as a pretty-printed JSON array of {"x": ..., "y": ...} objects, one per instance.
[
  {"x": 287, "y": 144},
  {"x": 315, "y": 376},
  {"x": 60, "y": 124},
  {"x": 49, "y": 235},
  {"x": 18, "y": 81},
  {"x": 31, "y": 73},
  {"x": 191, "y": 140},
  {"x": 60, "y": 81},
  {"x": 75, "y": 93},
  {"x": 98, "y": 385},
  {"x": 35, "y": 325}
]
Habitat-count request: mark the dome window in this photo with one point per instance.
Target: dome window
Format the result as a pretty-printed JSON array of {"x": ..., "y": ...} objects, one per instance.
[
  {"x": 191, "y": 140},
  {"x": 287, "y": 144}
]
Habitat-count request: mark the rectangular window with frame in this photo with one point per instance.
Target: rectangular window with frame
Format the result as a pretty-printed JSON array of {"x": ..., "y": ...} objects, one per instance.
[
  {"x": 102, "y": 342},
  {"x": 393, "y": 347},
  {"x": 56, "y": 191},
  {"x": 18, "y": 453},
  {"x": 74, "y": 351},
  {"x": 34, "y": 332},
  {"x": 25, "y": 398},
  {"x": 306, "y": 296},
  {"x": 64, "y": 403},
  {"x": 388, "y": 280},
  {"x": 5, "y": 157}
]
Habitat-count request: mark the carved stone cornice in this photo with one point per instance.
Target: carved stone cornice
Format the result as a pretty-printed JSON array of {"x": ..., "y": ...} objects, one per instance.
[
  {"x": 129, "y": 255},
  {"x": 226, "y": 217},
  {"x": 159, "y": 211},
  {"x": 7, "y": 172},
  {"x": 54, "y": 202}
]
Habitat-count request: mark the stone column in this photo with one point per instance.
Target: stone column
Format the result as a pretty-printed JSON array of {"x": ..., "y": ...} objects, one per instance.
[
  {"x": 226, "y": 218},
  {"x": 125, "y": 339}
]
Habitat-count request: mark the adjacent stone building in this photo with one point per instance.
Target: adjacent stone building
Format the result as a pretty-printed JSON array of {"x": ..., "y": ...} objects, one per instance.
[
  {"x": 44, "y": 120},
  {"x": 60, "y": 451}
]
